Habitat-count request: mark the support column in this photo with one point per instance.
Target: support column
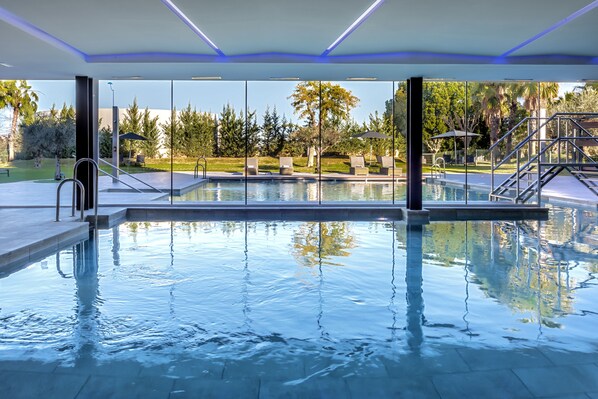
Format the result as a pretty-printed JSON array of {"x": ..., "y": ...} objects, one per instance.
[
  {"x": 414, "y": 143},
  {"x": 87, "y": 142}
]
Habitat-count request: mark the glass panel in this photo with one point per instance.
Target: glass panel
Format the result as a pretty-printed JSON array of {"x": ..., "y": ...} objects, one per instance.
[
  {"x": 447, "y": 131},
  {"x": 277, "y": 138},
  {"x": 143, "y": 145},
  {"x": 37, "y": 132},
  {"x": 358, "y": 162},
  {"x": 210, "y": 137}
]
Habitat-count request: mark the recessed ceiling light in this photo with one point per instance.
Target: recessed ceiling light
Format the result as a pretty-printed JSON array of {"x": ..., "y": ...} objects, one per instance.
[
  {"x": 206, "y": 77},
  {"x": 135, "y": 77},
  {"x": 353, "y": 26},
  {"x": 5, "y": 65},
  {"x": 362, "y": 79},
  {"x": 283, "y": 78},
  {"x": 191, "y": 25}
]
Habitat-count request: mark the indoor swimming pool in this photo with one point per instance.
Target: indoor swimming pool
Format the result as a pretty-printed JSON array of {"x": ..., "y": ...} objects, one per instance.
[{"x": 254, "y": 309}]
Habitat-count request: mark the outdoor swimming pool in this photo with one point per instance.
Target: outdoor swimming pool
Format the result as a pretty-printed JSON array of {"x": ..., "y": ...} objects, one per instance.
[
  {"x": 308, "y": 190},
  {"x": 298, "y": 302}
]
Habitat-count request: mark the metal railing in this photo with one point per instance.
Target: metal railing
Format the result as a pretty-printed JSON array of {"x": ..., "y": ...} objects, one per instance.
[
  {"x": 128, "y": 174},
  {"x": 204, "y": 168},
  {"x": 76, "y": 183},
  {"x": 567, "y": 123},
  {"x": 96, "y": 183},
  {"x": 438, "y": 167}
]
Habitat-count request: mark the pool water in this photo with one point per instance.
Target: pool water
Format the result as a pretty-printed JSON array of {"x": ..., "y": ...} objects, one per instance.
[
  {"x": 308, "y": 190},
  {"x": 244, "y": 289}
]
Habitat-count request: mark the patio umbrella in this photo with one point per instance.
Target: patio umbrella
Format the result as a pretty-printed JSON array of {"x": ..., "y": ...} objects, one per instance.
[
  {"x": 371, "y": 135},
  {"x": 454, "y": 134},
  {"x": 131, "y": 136}
]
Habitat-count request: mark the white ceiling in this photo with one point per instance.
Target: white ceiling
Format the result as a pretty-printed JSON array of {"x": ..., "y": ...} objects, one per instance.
[{"x": 458, "y": 39}]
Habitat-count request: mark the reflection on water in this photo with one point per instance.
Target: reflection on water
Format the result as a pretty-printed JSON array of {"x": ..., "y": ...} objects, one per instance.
[
  {"x": 306, "y": 190},
  {"x": 346, "y": 290}
]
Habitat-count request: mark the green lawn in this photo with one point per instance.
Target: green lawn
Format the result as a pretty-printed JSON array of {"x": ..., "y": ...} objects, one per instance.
[{"x": 25, "y": 170}]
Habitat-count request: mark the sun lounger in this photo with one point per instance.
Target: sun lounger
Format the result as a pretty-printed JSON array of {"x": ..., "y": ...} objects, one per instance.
[
  {"x": 252, "y": 168},
  {"x": 286, "y": 165},
  {"x": 387, "y": 164},
  {"x": 358, "y": 167}
]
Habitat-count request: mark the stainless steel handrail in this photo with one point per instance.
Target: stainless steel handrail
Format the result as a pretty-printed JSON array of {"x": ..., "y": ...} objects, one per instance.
[
  {"x": 76, "y": 183},
  {"x": 97, "y": 181},
  {"x": 130, "y": 175},
  {"x": 204, "y": 168}
]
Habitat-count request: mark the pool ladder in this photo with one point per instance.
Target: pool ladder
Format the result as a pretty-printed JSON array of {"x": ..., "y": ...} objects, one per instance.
[
  {"x": 204, "y": 168},
  {"x": 439, "y": 168},
  {"x": 78, "y": 184}
]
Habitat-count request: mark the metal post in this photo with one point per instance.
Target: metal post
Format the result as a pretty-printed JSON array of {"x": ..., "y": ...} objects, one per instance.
[
  {"x": 518, "y": 169},
  {"x": 414, "y": 142},
  {"x": 115, "y": 144}
]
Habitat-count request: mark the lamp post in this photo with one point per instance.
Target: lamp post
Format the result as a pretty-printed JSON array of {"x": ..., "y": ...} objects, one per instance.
[{"x": 115, "y": 152}]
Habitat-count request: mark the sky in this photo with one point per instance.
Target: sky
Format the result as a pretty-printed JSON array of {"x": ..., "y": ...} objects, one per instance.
[{"x": 211, "y": 96}]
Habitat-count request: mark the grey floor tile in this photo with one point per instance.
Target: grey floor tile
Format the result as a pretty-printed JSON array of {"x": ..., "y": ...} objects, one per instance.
[
  {"x": 480, "y": 384},
  {"x": 448, "y": 361},
  {"x": 372, "y": 367},
  {"x": 186, "y": 369},
  {"x": 325, "y": 387},
  {"x": 269, "y": 368},
  {"x": 207, "y": 389},
  {"x": 114, "y": 369},
  {"x": 24, "y": 384},
  {"x": 105, "y": 387},
  {"x": 411, "y": 388},
  {"x": 27, "y": 365},
  {"x": 489, "y": 359},
  {"x": 559, "y": 380},
  {"x": 561, "y": 358}
]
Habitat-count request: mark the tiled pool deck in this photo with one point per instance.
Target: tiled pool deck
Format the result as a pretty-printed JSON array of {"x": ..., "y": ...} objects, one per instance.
[{"x": 452, "y": 372}]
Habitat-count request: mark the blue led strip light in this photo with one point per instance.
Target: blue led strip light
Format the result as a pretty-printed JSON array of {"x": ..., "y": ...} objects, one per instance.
[
  {"x": 191, "y": 25},
  {"x": 565, "y": 21},
  {"x": 353, "y": 26},
  {"x": 34, "y": 31}
]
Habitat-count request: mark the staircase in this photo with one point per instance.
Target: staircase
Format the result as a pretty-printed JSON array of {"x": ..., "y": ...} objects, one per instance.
[{"x": 545, "y": 148}]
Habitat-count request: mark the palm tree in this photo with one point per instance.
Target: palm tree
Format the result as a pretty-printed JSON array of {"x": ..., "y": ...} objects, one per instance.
[
  {"x": 493, "y": 103},
  {"x": 23, "y": 102}
]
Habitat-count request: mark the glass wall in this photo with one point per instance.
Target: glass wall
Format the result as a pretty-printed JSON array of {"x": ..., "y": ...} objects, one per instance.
[
  {"x": 37, "y": 132},
  {"x": 280, "y": 141},
  {"x": 139, "y": 160}
]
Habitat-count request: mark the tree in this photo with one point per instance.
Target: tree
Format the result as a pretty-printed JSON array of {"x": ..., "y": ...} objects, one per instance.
[
  {"x": 150, "y": 130},
  {"x": 232, "y": 135},
  {"x": 23, "y": 102},
  {"x": 50, "y": 136},
  {"x": 132, "y": 122},
  {"x": 321, "y": 101},
  {"x": 273, "y": 133},
  {"x": 493, "y": 105}
]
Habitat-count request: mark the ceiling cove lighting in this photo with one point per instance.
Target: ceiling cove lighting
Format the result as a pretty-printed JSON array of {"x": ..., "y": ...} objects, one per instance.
[
  {"x": 353, "y": 26},
  {"x": 192, "y": 26},
  {"x": 36, "y": 32},
  {"x": 206, "y": 77},
  {"x": 362, "y": 79},
  {"x": 293, "y": 78},
  {"x": 557, "y": 25},
  {"x": 5, "y": 65}
]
